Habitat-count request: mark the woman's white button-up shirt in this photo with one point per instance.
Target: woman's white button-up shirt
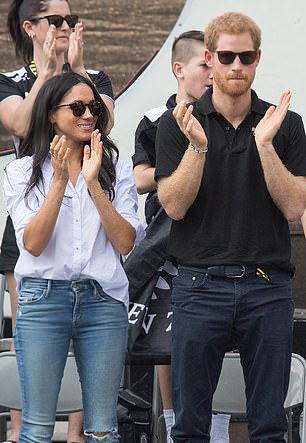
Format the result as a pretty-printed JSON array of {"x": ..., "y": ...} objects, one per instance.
[{"x": 79, "y": 247}]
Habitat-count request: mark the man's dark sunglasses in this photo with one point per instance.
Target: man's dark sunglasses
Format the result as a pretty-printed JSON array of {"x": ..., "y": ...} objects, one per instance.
[
  {"x": 78, "y": 108},
  {"x": 228, "y": 57},
  {"x": 57, "y": 20}
]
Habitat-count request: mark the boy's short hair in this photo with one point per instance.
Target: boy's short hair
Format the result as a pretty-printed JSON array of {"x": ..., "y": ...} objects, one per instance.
[{"x": 183, "y": 47}]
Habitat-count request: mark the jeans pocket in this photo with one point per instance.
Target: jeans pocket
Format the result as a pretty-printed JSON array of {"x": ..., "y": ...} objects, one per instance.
[
  {"x": 101, "y": 295},
  {"x": 277, "y": 278},
  {"x": 190, "y": 278},
  {"x": 31, "y": 295},
  {"x": 32, "y": 290}
]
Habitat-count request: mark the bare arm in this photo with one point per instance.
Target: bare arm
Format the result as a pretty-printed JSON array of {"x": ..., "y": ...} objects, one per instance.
[
  {"x": 39, "y": 231},
  {"x": 118, "y": 230},
  {"x": 287, "y": 191},
  {"x": 178, "y": 191},
  {"x": 110, "y": 106},
  {"x": 15, "y": 111},
  {"x": 144, "y": 177},
  {"x": 75, "y": 59}
]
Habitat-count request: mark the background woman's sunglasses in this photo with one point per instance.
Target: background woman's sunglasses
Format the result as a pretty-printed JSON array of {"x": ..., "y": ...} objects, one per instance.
[
  {"x": 78, "y": 108},
  {"x": 57, "y": 20},
  {"x": 228, "y": 57}
]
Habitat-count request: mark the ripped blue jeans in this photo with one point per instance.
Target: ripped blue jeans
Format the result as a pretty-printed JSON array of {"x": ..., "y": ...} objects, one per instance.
[{"x": 50, "y": 313}]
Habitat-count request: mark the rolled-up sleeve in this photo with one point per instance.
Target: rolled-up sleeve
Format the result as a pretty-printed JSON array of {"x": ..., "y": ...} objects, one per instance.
[{"x": 21, "y": 210}]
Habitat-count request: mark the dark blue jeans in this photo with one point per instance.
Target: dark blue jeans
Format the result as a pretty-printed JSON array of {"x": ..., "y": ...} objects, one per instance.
[{"x": 207, "y": 313}]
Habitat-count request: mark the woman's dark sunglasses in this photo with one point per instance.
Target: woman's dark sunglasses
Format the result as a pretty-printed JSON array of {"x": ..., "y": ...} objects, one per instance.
[
  {"x": 78, "y": 108},
  {"x": 228, "y": 57},
  {"x": 57, "y": 20}
]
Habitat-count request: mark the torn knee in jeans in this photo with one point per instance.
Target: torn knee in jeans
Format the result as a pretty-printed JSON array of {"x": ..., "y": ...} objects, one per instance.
[{"x": 103, "y": 436}]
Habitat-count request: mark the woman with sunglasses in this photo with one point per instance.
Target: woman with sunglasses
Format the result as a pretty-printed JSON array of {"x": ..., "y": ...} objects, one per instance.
[
  {"x": 45, "y": 35},
  {"x": 73, "y": 206}
]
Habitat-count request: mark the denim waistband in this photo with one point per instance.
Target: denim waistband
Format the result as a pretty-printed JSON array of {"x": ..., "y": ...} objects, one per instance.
[{"x": 44, "y": 282}]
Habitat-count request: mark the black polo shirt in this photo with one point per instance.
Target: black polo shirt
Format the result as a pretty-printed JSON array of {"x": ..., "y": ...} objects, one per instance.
[{"x": 233, "y": 219}]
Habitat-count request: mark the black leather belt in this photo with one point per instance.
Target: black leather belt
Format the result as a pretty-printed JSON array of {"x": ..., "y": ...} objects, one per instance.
[{"x": 230, "y": 271}]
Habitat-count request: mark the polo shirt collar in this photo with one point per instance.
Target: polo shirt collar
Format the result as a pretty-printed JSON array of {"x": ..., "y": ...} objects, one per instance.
[
  {"x": 171, "y": 102},
  {"x": 205, "y": 106}
]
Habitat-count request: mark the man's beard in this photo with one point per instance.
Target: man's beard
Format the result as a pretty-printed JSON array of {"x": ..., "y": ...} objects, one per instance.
[{"x": 229, "y": 86}]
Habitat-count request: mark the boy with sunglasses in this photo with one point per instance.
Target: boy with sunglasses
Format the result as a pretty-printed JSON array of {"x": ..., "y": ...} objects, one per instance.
[{"x": 231, "y": 171}]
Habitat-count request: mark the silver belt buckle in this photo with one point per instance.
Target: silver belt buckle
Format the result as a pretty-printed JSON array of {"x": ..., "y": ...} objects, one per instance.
[{"x": 242, "y": 274}]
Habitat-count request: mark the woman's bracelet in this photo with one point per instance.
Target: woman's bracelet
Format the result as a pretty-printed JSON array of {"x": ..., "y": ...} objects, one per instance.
[{"x": 197, "y": 150}]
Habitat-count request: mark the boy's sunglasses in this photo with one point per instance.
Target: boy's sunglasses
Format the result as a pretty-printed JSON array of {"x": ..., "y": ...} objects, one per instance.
[
  {"x": 228, "y": 57},
  {"x": 57, "y": 20},
  {"x": 78, "y": 108}
]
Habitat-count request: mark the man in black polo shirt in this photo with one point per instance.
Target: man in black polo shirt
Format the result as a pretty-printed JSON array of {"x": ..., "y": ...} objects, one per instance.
[{"x": 231, "y": 171}]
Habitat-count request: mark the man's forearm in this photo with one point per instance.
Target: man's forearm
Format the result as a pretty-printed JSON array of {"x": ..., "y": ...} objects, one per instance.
[
  {"x": 178, "y": 191},
  {"x": 287, "y": 191}
]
